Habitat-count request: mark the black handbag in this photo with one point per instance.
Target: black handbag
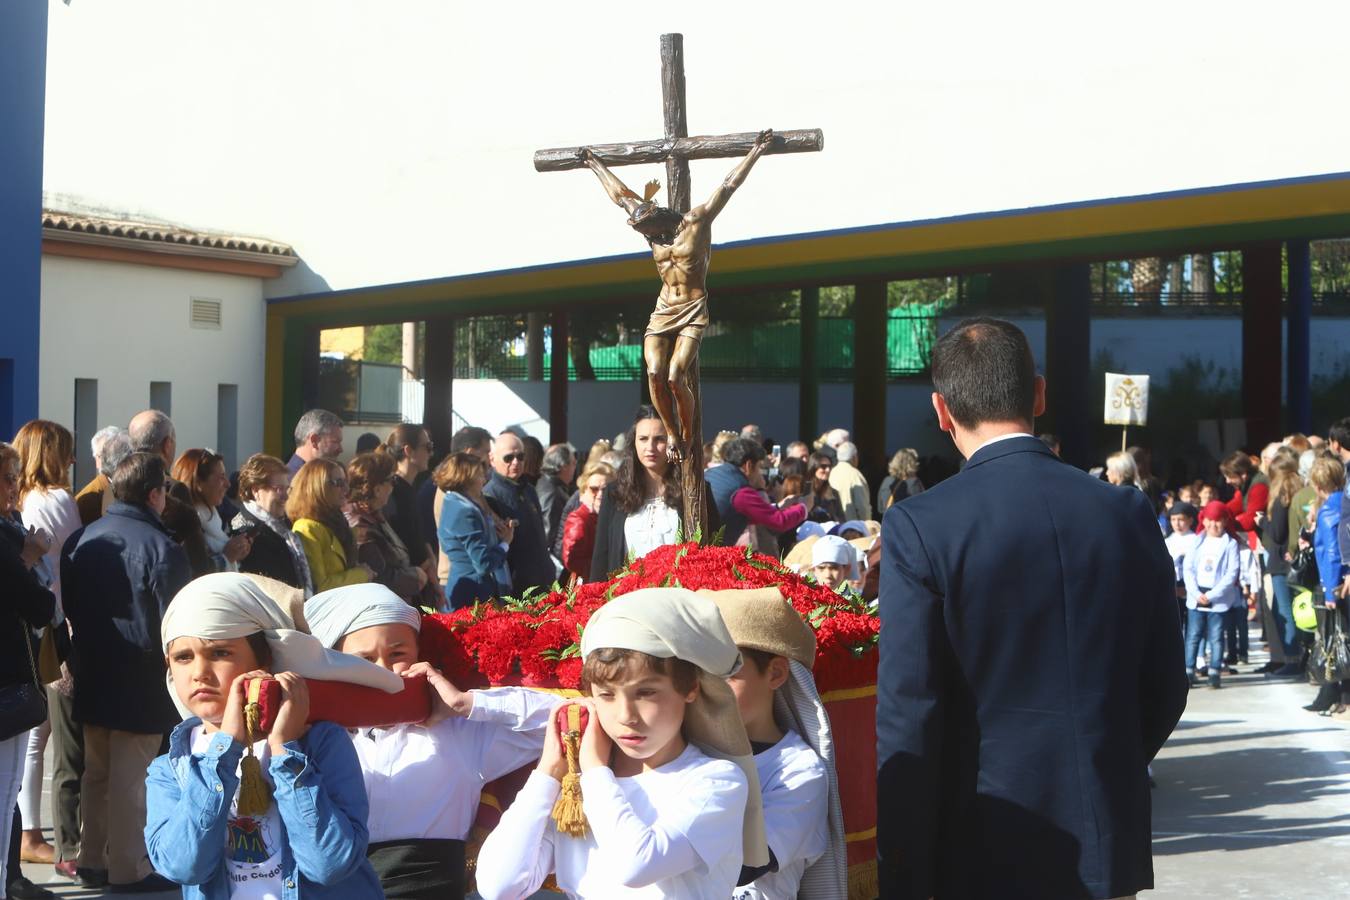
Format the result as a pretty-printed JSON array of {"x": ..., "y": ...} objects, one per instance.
[
  {"x": 1329, "y": 662},
  {"x": 23, "y": 706}
]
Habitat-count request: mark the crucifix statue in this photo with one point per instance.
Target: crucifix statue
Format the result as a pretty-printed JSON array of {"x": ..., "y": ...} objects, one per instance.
[{"x": 681, "y": 242}]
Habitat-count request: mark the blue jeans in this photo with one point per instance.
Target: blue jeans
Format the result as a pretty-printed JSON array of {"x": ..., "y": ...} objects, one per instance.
[
  {"x": 1210, "y": 626},
  {"x": 1282, "y": 610}
]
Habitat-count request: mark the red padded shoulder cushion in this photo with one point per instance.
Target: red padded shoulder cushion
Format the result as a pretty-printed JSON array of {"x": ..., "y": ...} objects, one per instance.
[
  {"x": 561, "y": 717},
  {"x": 352, "y": 705}
]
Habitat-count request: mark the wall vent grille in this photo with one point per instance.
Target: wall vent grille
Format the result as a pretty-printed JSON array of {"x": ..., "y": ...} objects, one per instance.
[{"x": 204, "y": 313}]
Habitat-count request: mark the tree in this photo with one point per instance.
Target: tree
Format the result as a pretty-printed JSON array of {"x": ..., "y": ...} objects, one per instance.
[{"x": 1146, "y": 278}]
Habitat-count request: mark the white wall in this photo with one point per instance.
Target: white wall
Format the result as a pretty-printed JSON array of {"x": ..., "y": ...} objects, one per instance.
[{"x": 127, "y": 325}]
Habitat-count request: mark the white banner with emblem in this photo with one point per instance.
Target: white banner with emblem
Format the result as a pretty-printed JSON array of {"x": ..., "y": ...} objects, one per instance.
[{"x": 1126, "y": 399}]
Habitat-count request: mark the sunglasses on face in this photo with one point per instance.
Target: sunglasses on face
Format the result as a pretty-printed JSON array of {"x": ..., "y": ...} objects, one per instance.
[{"x": 512, "y": 457}]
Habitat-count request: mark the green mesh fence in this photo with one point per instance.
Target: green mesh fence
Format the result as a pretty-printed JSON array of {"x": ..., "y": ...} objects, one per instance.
[{"x": 767, "y": 352}]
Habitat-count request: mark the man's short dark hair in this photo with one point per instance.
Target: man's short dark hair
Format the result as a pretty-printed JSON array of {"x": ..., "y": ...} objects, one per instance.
[
  {"x": 1340, "y": 433},
  {"x": 137, "y": 476},
  {"x": 984, "y": 370},
  {"x": 739, "y": 451},
  {"x": 470, "y": 437}
]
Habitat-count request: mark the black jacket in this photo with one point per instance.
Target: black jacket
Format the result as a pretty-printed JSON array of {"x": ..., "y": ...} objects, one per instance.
[
  {"x": 26, "y": 605},
  {"x": 271, "y": 555},
  {"x": 401, "y": 514},
  {"x": 553, "y": 496},
  {"x": 1031, "y": 667},
  {"x": 531, "y": 566},
  {"x": 611, "y": 548},
  {"x": 117, "y": 578}
]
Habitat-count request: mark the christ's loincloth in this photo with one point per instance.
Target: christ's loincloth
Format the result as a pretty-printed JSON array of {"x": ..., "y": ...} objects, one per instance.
[{"x": 686, "y": 318}]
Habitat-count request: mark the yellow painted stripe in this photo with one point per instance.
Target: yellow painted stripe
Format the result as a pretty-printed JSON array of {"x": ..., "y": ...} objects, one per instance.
[
  {"x": 855, "y": 836},
  {"x": 869, "y": 690},
  {"x": 490, "y": 800}
]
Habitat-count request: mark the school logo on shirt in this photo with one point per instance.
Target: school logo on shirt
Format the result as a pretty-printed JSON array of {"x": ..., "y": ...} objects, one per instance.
[{"x": 249, "y": 840}]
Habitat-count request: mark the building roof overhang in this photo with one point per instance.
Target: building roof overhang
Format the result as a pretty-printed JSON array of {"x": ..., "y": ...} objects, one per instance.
[
  {"x": 1169, "y": 223},
  {"x": 117, "y": 239}
]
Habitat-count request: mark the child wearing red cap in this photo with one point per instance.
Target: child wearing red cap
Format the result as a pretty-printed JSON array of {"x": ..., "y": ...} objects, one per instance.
[{"x": 1211, "y": 571}]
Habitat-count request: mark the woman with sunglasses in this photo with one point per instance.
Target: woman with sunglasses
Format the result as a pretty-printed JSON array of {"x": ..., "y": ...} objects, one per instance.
[
  {"x": 203, "y": 474},
  {"x": 264, "y": 485},
  {"x": 314, "y": 506},
  {"x": 822, "y": 502}
]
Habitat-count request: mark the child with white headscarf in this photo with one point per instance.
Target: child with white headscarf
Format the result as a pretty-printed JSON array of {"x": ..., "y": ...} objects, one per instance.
[
  {"x": 668, "y": 785},
  {"x": 230, "y": 816},
  {"x": 424, "y": 781}
]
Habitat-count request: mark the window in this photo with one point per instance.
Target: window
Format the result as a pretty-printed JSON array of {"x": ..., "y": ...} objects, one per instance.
[
  {"x": 227, "y": 424},
  {"x": 86, "y": 423},
  {"x": 161, "y": 396}
]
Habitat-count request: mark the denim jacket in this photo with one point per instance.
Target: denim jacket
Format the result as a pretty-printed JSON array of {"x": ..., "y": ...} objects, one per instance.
[{"x": 320, "y": 796}]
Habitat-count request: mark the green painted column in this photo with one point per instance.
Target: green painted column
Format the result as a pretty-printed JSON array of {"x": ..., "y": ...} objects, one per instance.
[{"x": 808, "y": 400}]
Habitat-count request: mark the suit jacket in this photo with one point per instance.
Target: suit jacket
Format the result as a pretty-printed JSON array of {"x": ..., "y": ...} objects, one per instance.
[
  {"x": 1031, "y": 667},
  {"x": 117, "y": 578},
  {"x": 94, "y": 498},
  {"x": 531, "y": 565}
]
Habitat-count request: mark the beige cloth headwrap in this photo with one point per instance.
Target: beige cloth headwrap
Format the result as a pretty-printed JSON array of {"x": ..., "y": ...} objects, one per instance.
[
  {"x": 228, "y": 605},
  {"x": 764, "y": 620},
  {"x": 674, "y": 622}
]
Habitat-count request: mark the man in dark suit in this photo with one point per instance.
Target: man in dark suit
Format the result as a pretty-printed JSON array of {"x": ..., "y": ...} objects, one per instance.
[{"x": 1031, "y": 656}]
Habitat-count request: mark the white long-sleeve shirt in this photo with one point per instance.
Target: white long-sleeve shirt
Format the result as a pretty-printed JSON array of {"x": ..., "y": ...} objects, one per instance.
[
  {"x": 796, "y": 816},
  {"x": 1178, "y": 545},
  {"x": 671, "y": 832},
  {"x": 426, "y": 782},
  {"x": 54, "y": 511}
]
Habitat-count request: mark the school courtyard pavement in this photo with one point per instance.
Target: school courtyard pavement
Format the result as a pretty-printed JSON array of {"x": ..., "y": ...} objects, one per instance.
[{"x": 1252, "y": 799}]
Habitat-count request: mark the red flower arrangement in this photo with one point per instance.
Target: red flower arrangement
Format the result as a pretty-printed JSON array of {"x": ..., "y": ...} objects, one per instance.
[{"x": 536, "y": 639}]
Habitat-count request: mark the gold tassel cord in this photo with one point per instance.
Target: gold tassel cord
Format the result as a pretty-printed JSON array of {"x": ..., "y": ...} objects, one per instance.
[
  {"x": 254, "y": 794},
  {"x": 568, "y": 813}
]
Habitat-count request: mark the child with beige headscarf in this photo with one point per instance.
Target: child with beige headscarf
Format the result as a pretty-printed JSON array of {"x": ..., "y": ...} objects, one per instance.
[{"x": 668, "y": 784}]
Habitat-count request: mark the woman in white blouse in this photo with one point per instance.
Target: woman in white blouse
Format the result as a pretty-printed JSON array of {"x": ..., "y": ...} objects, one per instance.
[
  {"x": 642, "y": 506},
  {"x": 424, "y": 781},
  {"x": 46, "y": 452},
  {"x": 202, "y": 473}
]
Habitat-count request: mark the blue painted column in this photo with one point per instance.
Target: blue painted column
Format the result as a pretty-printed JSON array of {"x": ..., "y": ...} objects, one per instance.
[
  {"x": 1298, "y": 372},
  {"x": 23, "y": 88}
]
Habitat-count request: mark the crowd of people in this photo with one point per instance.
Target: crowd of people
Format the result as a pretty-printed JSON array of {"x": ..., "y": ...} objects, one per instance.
[{"x": 400, "y": 530}]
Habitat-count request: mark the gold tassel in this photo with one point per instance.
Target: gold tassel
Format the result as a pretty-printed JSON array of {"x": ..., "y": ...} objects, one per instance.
[
  {"x": 568, "y": 813},
  {"x": 254, "y": 794}
]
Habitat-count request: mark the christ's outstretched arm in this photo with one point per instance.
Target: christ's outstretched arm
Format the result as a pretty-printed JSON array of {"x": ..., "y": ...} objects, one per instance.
[
  {"x": 617, "y": 190},
  {"x": 728, "y": 187}
]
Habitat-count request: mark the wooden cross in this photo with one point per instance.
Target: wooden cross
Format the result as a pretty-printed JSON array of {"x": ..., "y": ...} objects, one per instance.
[{"x": 675, "y": 150}]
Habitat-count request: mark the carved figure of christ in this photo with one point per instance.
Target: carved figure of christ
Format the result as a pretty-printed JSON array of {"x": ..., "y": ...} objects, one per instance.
[{"x": 682, "y": 248}]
